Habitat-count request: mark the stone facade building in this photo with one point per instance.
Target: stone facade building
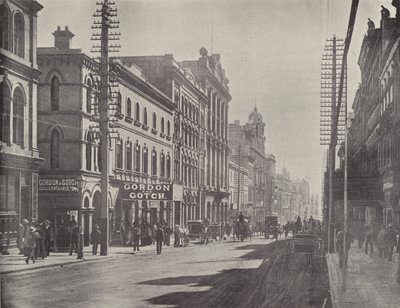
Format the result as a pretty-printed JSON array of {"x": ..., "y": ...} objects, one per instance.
[
  {"x": 141, "y": 150},
  {"x": 374, "y": 136},
  {"x": 189, "y": 131},
  {"x": 19, "y": 156}
]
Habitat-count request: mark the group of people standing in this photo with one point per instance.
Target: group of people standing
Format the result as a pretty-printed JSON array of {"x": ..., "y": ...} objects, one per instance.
[{"x": 35, "y": 239}]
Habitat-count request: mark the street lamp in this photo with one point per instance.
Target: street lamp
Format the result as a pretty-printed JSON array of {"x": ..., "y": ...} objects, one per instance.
[{"x": 81, "y": 185}]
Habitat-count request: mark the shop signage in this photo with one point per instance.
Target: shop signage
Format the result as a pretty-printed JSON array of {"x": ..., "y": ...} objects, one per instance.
[
  {"x": 138, "y": 191},
  {"x": 58, "y": 185}
]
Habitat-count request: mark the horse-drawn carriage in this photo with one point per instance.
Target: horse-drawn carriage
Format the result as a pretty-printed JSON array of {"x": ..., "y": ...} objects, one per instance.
[
  {"x": 241, "y": 229},
  {"x": 310, "y": 246}
]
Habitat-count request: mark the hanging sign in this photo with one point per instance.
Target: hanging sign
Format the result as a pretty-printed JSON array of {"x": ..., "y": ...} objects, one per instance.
[{"x": 138, "y": 191}]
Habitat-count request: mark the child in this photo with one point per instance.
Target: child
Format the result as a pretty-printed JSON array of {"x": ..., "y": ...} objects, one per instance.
[{"x": 96, "y": 235}]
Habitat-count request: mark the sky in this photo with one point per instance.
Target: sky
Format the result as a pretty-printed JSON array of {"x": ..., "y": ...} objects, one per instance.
[{"x": 271, "y": 51}]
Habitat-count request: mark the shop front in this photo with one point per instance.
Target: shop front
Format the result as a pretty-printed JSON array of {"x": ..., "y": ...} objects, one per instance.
[{"x": 59, "y": 202}]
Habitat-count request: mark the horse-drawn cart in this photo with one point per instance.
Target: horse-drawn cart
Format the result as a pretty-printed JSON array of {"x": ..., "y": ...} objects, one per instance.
[{"x": 308, "y": 245}]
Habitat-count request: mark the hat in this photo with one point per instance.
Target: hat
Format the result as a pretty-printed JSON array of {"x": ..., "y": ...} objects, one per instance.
[{"x": 32, "y": 228}]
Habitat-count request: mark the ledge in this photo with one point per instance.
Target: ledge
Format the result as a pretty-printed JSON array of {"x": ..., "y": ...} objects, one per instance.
[{"x": 145, "y": 127}]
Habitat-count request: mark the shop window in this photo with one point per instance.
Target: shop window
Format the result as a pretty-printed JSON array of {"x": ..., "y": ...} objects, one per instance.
[
  {"x": 19, "y": 35},
  {"x": 55, "y": 93},
  {"x": 5, "y": 94},
  {"x": 18, "y": 117},
  {"x": 55, "y": 149},
  {"x": 4, "y": 27}
]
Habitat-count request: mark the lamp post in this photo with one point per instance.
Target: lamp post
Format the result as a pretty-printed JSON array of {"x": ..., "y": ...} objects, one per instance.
[{"x": 81, "y": 185}]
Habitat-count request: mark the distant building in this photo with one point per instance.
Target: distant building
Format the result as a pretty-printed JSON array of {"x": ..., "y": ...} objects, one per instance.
[
  {"x": 247, "y": 145},
  {"x": 19, "y": 156},
  {"x": 242, "y": 205}
]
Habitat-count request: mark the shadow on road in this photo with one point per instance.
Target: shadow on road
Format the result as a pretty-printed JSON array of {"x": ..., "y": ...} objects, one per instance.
[{"x": 280, "y": 281}]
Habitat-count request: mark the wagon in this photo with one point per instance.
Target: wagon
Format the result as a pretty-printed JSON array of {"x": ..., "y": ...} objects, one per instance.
[{"x": 308, "y": 245}]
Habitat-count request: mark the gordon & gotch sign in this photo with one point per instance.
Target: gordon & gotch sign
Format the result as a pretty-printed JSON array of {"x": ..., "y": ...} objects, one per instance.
[{"x": 139, "y": 191}]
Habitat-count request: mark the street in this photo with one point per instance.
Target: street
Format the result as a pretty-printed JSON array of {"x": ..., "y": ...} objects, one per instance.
[{"x": 230, "y": 274}]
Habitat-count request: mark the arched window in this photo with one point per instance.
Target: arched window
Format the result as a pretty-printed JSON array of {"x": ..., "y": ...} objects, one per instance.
[
  {"x": 145, "y": 160},
  {"x": 55, "y": 149},
  {"x": 137, "y": 112},
  {"x": 168, "y": 166},
  {"x": 55, "y": 93},
  {"x": 129, "y": 155},
  {"x": 4, "y": 27},
  {"x": 137, "y": 157},
  {"x": 5, "y": 95},
  {"x": 99, "y": 157},
  {"x": 89, "y": 150},
  {"x": 162, "y": 164},
  {"x": 154, "y": 120},
  {"x": 18, "y": 117},
  {"x": 145, "y": 116},
  {"x": 119, "y": 102},
  {"x": 129, "y": 108},
  {"x": 168, "y": 128},
  {"x": 19, "y": 35},
  {"x": 162, "y": 125},
  {"x": 119, "y": 153},
  {"x": 154, "y": 162},
  {"x": 89, "y": 96}
]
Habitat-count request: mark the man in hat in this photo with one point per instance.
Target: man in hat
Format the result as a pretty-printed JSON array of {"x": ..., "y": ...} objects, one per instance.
[
  {"x": 48, "y": 236},
  {"x": 391, "y": 241}
]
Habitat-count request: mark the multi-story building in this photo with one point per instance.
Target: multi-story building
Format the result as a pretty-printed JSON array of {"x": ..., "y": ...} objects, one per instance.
[
  {"x": 247, "y": 144},
  {"x": 19, "y": 156},
  {"x": 190, "y": 110},
  {"x": 141, "y": 150},
  {"x": 200, "y": 92},
  {"x": 238, "y": 191},
  {"x": 374, "y": 136}
]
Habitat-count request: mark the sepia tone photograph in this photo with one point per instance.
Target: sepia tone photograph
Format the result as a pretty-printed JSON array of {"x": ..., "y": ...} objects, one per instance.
[{"x": 200, "y": 153}]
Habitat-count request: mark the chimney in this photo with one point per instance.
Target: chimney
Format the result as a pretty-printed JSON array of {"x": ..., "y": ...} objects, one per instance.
[{"x": 62, "y": 38}]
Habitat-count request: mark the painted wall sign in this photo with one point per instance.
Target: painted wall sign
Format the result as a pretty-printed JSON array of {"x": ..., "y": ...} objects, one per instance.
[
  {"x": 58, "y": 185},
  {"x": 139, "y": 191}
]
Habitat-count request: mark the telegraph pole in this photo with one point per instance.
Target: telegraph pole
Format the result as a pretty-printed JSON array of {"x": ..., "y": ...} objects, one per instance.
[
  {"x": 238, "y": 194},
  {"x": 104, "y": 23}
]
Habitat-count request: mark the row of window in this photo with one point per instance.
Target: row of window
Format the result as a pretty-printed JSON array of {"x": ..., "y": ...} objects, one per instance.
[
  {"x": 12, "y": 31},
  {"x": 136, "y": 159},
  {"x": 17, "y": 117}
]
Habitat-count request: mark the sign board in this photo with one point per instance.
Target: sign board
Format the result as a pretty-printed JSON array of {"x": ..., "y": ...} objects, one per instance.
[
  {"x": 139, "y": 191},
  {"x": 58, "y": 185}
]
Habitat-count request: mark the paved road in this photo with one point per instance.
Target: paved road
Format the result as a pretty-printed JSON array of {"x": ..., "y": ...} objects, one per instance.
[{"x": 248, "y": 274}]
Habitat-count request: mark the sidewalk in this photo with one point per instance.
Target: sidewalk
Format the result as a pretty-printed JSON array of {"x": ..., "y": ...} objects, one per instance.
[
  {"x": 16, "y": 263},
  {"x": 369, "y": 281}
]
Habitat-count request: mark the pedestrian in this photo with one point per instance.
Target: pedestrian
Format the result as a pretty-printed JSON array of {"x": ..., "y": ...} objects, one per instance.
[
  {"x": 40, "y": 249},
  {"x": 23, "y": 230},
  {"x": 30, "y": 244},
  {"x": 159, "y": 237},
  {"x": 48, "y": 236},
  {"x": 369, "y": 238},
  {"x": 73, "y": 235},
  {"x": 177, "y": 236},
  {"x": 96, "y": 237},
  {"x": 167, "y": 235},
  {"x": 340, "y": 236},
  {"x": 136, "y": 233},
  {"x": 382, "y": 243},
  {"x": 391, "y": 241}
]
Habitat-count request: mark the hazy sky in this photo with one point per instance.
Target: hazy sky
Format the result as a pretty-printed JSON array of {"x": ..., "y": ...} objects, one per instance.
[{"x": 271, "y": 51}]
